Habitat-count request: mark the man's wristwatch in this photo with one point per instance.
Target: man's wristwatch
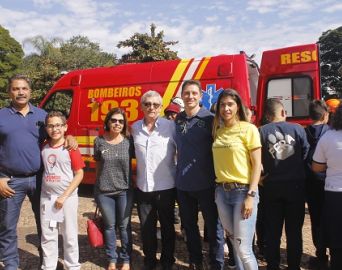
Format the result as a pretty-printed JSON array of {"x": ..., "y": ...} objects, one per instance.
[{"x": 251, "y": 193}]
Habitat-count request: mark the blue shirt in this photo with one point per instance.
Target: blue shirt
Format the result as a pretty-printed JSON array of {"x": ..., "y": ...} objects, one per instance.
[
  {"x": 20, "y": 139},
  {"x": 155, "y": 153},
  {"x": 195, "y": 168}
]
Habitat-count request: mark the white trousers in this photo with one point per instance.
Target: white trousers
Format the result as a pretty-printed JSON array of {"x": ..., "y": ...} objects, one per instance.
[{"x": 69, "y": 231}]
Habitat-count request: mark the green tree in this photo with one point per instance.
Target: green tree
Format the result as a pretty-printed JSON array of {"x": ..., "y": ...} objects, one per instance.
[
  {"x": 52, "y": 57},
  {"x": 11, "y": 55},
  {"x": 331, "y": 60},
  {"x": 146, "y": 48},
  {"x": 42, "y": 65},
  {"x": 79, "y": 53}
]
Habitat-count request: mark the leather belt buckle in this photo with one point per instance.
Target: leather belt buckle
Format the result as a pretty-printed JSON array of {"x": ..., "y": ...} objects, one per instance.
[
  {"x": 227, "y": 186},
  {"x": 232, "y": 186}
]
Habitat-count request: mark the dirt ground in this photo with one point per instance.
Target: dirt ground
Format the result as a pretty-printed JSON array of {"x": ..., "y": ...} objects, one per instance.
[{"x": 92, "y": 259}]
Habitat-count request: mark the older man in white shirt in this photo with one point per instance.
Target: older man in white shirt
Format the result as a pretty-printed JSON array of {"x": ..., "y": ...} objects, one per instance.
[{"x": 155, "y": 151}]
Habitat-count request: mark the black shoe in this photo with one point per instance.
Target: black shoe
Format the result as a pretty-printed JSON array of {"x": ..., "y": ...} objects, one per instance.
[{"x": 196, "y": 266}]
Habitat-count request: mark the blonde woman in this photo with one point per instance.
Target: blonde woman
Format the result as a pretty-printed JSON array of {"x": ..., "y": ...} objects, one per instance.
[{"x": 237, "y": 162}]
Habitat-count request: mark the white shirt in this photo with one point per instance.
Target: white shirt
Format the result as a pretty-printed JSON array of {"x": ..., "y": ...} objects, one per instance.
[
  {"x": 59, "y": 164},
  {"x": 155, "y": 153},
  {"x": 329, "y": 151}
]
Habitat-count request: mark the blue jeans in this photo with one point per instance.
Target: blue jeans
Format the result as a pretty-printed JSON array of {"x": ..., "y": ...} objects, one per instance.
[
  {"x": 116, "y": 212},
  {"x": 240, "y": 231},
  {"x": 9, "y": 216},
  {"x": 189, "y": 204}
]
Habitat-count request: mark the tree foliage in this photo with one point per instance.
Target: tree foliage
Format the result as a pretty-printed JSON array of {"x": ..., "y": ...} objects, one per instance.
[
  {"x": 42, "y": 66},
  {"x": 79, "y": 53},
  {"x": 52, "y": 57},
  {"x": 11, "y": 55},
  {"x": 146, "y": 48},
  {"x": 331, "y": 60}
]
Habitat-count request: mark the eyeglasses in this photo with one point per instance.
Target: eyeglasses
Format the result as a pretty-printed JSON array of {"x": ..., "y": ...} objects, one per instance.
[
  {"x": 150, "y": 104},
  {"x": 57, "y": 126},
  {"x": 114, "y": 121}
]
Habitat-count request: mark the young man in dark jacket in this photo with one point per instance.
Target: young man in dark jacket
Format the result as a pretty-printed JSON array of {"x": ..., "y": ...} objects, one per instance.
[{"x": 318, "y": 112}]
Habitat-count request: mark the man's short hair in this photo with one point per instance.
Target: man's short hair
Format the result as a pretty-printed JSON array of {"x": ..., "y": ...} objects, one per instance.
[
  {"x": 317, "y": 109},
  {"x": 17, "y": 77},
  {"x": 191, "y": 82},
  {"x": 151, "y": 93},
  {"x": 271, "y": 107},
  {"x": 55, "y": 114}
]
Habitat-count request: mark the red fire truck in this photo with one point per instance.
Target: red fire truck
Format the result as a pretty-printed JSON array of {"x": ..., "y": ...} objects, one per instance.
[{"x": 85, "y": 96}]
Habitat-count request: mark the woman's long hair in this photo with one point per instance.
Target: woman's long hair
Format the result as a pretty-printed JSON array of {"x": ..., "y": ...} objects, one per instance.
[{"x": 241, "y": 114}]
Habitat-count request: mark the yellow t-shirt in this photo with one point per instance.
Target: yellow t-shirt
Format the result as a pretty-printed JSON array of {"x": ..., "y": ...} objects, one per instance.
[{"x": 231, "y": 152}]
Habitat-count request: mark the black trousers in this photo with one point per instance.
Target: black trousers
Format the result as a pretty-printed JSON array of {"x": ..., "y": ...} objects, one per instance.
[
  {"x": 151, "y": 207},
  {"x": 315, "y": 200},
  {"x": 260, "y": 226},
  {"x": 284, "y": 203}
]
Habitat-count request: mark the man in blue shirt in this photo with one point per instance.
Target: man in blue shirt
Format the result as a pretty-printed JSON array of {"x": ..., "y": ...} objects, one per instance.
[
  {"x": 21, "y": 134},
  {"x": 195, "y": 179}
]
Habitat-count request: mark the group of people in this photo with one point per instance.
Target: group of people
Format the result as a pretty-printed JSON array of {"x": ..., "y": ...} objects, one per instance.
[
  {"x": 173, "y": 160},
  {"x": 219, "y": 164}
]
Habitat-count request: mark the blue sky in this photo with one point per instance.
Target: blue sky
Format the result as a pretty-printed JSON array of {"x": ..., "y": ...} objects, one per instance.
[{"x": 203, "y": 28}]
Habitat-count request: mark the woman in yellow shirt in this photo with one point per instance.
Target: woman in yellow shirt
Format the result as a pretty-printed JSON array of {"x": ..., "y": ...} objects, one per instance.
[{"x": 237, "y": 162}]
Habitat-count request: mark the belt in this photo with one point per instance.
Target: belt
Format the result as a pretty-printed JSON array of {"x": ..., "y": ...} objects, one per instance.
[
  {"x": 23, "y": 175},
  {"x": 231, "y": 186},
  {"x": 18, "y": 175}
]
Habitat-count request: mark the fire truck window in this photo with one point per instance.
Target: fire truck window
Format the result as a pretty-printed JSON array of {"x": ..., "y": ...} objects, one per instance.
[
  {"x": 59, "y": 101},
  {"x": 281, "y": 89},
  {"x": 294, "y": 93},
  {"x": 301, "y": 96}
]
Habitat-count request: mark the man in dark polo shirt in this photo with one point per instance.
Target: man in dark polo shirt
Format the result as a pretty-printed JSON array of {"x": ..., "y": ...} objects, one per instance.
[
  {"x": 284, "y": 150},
  {"x": 21, "y": 133},
  {"x": 195, "y": 179}
]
